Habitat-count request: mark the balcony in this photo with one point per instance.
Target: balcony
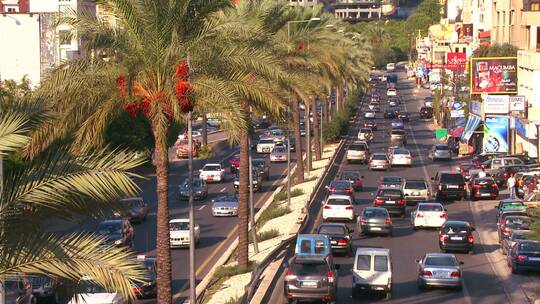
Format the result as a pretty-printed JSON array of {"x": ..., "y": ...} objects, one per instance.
[
  {"x": 529, "y": 59},
  {"x": 530, "y": 18}
]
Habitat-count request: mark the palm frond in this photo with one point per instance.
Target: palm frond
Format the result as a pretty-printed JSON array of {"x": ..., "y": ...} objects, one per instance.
[{"x": 13, "y": 132}]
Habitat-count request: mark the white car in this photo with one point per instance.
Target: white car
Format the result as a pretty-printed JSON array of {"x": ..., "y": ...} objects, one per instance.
[
  {"x": 401, "y": 157},
  {"x": 179, "y": 233},
  {"x": 277, "y": 135},
  {"x": 89, "y": 292},
  {"x": 265, "y": 145},
  {"x": 338, "y": 207},
  {"x": 279, "y": 154},
  {"x": 370, "y": 114},
  {"x": 212, "y": 173},
  {"x": 391, "y": 66},
  {"x": 391, "y": 92},
  {"x": 358, "y": 151},
  {"x": 372, "y": 270},
  {"x": 431, "y": 215},
  {"x": 365, "y": 134}
]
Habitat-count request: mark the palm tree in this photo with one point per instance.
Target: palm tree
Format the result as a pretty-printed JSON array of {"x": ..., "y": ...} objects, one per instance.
[{"x": 57, "y": 185}]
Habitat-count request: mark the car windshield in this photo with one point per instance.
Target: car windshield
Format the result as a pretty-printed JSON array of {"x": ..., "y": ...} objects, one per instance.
[
  {"x": 440, "y": 261},
  {"x": 402, "y": 151},
  {"x": 430, "y": 207},
  {"x": 196, "y": 183},
  {"x": 518, "y": 222},
  {"x": 86, "y": 286},
  {"x": 390, "y": 192},
  {"x": 398, "y": 132},
  {"x": 177, "y": 226},
  {"x": 529, "y": 246},
  {"x": 519, "y": 236},
  {"x": 358, "y": 148},
  {"x": 211, "y": 168},
  {"x": 349, "y": 175},
  {"x": 340, "y": 185},
  {"x": 309, "y": 268},
  {"x": 442, "y": 147},
  {"x": 266, "y": 141},
  {"x": 455, "y": 229},
  {"x": 279, "y": 150},
  {"x": 391, "y": 179},
  {"x": 375, "y": 213},
  {"x": 110, "y": 228},
  {"x": 227, "y": 198},
  {"x": 415, "y": 185},
  {"x": 452, "y": 178},
  {"x": 379, "y": 157},
  {"x": 331, "y": 229},
  {"x": 338, "y": 202}
]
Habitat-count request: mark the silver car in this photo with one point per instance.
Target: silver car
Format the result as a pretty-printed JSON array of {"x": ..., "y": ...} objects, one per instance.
[
  {"x": 398, "y": 136},
  {"x": 440, "y": 151},
  {"x": 415, "y": 190},
  {"x": 378, "y": 161},
  {"x": 401, "y": 157},
  {"x": 370, "y": 114},
  {"x": 439, "y": 270},
  {"x": 226, "y": 205},
  {"x": 278, "y": 154}
]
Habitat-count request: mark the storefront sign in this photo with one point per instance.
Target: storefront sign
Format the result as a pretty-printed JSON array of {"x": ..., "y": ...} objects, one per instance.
[
  {"x": 475, "y": 107},
  {"x": 495, "y": 134},
  {"x": 456, "y": 61},
  {"x": 517, "y": 103},
  {"x": 441, "y": 134},
  {"x": 457, "y": 113},
  {"x": 496, "y": 104},
  {"x": 520, "y": 127},
  {"x": 494, "y": 75}
]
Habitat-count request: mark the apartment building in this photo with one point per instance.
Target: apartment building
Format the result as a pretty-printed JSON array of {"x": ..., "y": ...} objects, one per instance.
[
  {"x": 481, "y": 11},
  {"x": 358, "y": 10},
  {"x": 306, "y": 3}
]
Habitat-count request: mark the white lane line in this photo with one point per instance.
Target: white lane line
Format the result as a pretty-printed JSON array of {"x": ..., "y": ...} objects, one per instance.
[
  {"x": 223, "y": 189},
  {"x": 464, "y": 289},
  {"x": 202, "y": 207}
]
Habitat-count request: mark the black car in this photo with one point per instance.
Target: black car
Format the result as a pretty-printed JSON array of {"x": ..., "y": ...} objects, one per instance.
[
  {"x": 456, "y": 235},
  {"x": 147, "y": 288},
  {"x": 391, "y": 113},
  {"x": 449, "y": 185},
  {"x": 370, "y": 124},
  {"x": 340, "y": 237},
  {"x": 199, "y": 189},
  {"x": 391, "y": 199},
  {"x": 525, "y": 255},
  {"x": 513, "y": 223},
  {"x": 134, "y": 208},
  {"x": 262, "y": 123},
  {"x": 260, "y": 165},
  {"x": 257, "y": 180},
  {"x": 311, "y": 278},
  {"x": 340, "y": 187},
  {"x": 484, "y": 187},
  {"x": 354, "y": 177},
  {"x": 504, "y": 172},
  {"x": 426, "y": 112}
]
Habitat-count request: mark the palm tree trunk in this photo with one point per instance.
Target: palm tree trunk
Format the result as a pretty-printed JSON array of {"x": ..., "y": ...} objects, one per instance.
[
  {"x": 204, "y": 130},
  {"x": 316, "y": 134},
  {"x": 308, "y": 137},
  {"x": 243, "y": 196},
  {"x": 163, "y": 242},
  {"x": 326, "y": 113},
  {"x": 298, "y": 138}
]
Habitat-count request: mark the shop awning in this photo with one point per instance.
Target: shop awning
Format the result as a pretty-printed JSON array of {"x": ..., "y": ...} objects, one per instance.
[
  {"x": 472, "y": 124},
  {"x": 484, "y": 34},
  {"x": 458, "y": 132}
]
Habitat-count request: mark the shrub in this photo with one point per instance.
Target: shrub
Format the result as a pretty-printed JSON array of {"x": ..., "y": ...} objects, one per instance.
[
  {"x": 234, "y": 300},
  {"x": 272, "y": 212},
  {"x": 296, "y": 192},
  {"x": 229, "y": 271},
  {"x": 282, "y": 195},
  {"x": 265, "y": 235},
  {"x": 205, "y": 152}
]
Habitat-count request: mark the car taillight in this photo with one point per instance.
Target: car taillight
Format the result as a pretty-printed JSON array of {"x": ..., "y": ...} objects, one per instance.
[
  {"x": 378, "y": 202},
  {"x": 288, "y": 274},
  {"x": 342, "y": 242},
  {"x": 442, "y": 237},
  {"x": 401, "y": 202},
  {"x": 327, "y": 207},
  {"x": 465, "y": 187},
  {"x": 419, "y": 215},
  {"x": 348, "y": 191},
  {"x": 363, "y": 221},
  {"x": 470, "y": 238},
  {"x": 455, "y": 274},
  {"x": 506, "y": 231},
  {"x": 494, "y": 186},
  {"x": 521, "y": 258},
  {"x": 331, "y": 190},
  {"x": 476, "y": 187},
  {"x": 427, "y": 274},
  {"x": 388, "y": 221},
  {"x": 349, "y": 208},
  {"x": 136, "y": 290},
  {"x": 409, "y": 157},
  {"x": 330, "y": 276},
  {"x": 443, "y": 215}
]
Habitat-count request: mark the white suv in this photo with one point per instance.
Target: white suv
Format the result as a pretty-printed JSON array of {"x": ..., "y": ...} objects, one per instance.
[
  {"x": 428, "y": 215},
  {"x": 358, "y": 151},
  {"x": 338, "y": 207},
  {"x": 372, "y": 270},
  {"x": 212, "y": 173}
]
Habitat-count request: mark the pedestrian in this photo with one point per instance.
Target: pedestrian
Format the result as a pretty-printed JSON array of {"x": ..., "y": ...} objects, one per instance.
[{"x": 511, "y": 182}]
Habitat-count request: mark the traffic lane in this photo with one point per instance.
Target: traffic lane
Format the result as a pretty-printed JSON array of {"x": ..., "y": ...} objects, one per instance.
[{"x": 212, "y": 139}]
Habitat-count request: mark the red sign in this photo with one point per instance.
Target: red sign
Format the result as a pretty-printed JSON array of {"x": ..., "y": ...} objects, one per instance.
[
  {"x": 496, "y": 75},
  {"x": 456, "y": 61}
]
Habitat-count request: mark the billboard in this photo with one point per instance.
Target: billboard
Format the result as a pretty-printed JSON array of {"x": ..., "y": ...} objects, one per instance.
[
  {"x": 454, "y": 11},
  {"x": 456, "y": 61},
  {"x": 494, "y": 75},
  {"x": 465, "y": 32},
  {"x": 495, "y": 134},
  {"x": 496, "y": 104}
]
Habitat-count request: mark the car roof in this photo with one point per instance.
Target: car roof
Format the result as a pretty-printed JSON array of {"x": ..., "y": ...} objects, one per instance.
[
  {"x": 415, "y": 180},
  {"x": 310, "y": 258},
  {"x": 439, "y": 254},
  {"x": 391, "y": 176},
  {"x": 339, "y": 196},
  {"x": 179, "y": 220},
  {"x": 461, "y": 223},
  {"x": 371, "y": 250}
]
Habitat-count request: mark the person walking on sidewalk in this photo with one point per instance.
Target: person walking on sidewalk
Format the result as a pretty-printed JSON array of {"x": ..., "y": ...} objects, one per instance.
[{"x": 511, "y": 182}]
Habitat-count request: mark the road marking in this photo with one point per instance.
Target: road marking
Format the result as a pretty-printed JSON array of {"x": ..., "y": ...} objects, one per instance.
[
  {"x": 202, "y": 207},
  {"x": 223, "y": 189}
]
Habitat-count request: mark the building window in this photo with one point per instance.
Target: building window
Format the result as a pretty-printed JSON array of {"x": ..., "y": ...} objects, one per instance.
[
  {"x": 11, "y": 10},
  {"x": 512, "y": 17},
  {"x": 535, "y": 7},
  {"x": 64, "y": 37},
  {"x": 538, "y": 38}
]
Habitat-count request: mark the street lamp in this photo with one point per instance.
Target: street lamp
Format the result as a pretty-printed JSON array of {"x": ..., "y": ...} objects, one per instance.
[{"x": 289, "y": 133}]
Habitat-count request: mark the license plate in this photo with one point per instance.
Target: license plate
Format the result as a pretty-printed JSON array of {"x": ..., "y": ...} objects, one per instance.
[
  {"x": 441, "y": 274},
  {"x": 333, "y": 242},
  {"x": 416, "y": 193},
  {"x": 456, "y": 238},
  {"x": 391, "y": 202},
  {"x": 453, "y": 187},
  {"x": 485, "y": 194},
  {"x": 210, "y": 178},
  {"x": 534, "y": 259},
  {"x": 309, "y": 284},
  {"x": 376, "y": 228}
]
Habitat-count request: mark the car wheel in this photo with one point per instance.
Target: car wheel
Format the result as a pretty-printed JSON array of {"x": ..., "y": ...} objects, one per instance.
[{"x": 388, "y": 295}]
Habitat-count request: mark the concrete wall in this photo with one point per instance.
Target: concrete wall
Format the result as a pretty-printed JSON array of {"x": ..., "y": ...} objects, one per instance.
[{"x": 20, "y": 47}]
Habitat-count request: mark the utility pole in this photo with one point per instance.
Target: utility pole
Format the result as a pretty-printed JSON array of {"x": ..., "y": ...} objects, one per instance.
[
  {"x": 251, "y": 207},
  {"x": 192, "y": 282},
  {"x": 289, "y": 156}
]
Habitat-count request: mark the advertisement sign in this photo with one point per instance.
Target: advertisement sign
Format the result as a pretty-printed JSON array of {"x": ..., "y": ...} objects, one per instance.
[
  {"x": 496, "y": 104},
  {"x": 454, "y": 11},
  {"x": 517, "y": 103},
  {"x": 465, "y": 32},
  {"x": 456, "y": 61},
  {"x": 457, "y": 113},
  {"x": 520, "y": 127},
  {"x": 441, "y": 134},
  {"x": 475, "y": 107},
  {"x": 495, "y": 134},
  {"x": 495, "y": 75}
]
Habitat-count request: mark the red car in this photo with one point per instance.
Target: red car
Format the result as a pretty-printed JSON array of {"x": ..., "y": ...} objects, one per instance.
[
  {"x": 355, "y": 178},
  {"x": 235, "y": 163}
]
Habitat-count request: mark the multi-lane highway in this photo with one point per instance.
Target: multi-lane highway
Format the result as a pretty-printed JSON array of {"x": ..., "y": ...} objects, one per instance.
[{"x": 482, "y": 278}]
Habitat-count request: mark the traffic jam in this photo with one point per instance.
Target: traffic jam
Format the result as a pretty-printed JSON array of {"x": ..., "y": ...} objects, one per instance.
[{"x": 353, "y": 226}]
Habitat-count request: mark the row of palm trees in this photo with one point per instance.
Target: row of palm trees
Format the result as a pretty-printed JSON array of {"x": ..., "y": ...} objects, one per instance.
[{"x": 164, "y": 58}]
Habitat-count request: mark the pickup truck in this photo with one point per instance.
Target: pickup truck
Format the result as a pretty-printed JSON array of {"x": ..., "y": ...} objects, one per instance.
[{"x": 491, "y": 166}]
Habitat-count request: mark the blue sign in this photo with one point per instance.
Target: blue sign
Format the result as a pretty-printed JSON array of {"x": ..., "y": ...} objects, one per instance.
[
  {"x": 521, "y": 127},
  {"x": 457, "y": 105},
  {"x": 496, "y": 134}
]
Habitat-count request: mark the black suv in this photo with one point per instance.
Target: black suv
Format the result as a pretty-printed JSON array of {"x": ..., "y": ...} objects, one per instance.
[
  {"x": 311, "y": 278},
  {"x": 426, "y": 112},
  {"x": 449, "y": 184},
  {"x": 391, "y": 113},
  {"x": 261, "y": 166}
]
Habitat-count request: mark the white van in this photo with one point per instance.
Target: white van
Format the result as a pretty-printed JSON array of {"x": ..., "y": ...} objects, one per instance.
[{"x": 372, "y": 270}]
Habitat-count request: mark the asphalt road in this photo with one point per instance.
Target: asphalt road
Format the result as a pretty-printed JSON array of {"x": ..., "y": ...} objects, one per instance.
[{"x": 481, "y": 283}]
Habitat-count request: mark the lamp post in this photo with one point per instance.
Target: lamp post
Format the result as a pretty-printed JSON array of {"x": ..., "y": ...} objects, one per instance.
[
  {"x": 192, "y": 273},
  {"x": 289, "y": 133}
]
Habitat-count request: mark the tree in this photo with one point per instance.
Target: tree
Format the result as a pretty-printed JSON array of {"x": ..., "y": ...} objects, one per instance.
[
  {"x": 496, "y": 50},
  {"x": 57, "y": 185},
  {"x": 431, "y": 8}
]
